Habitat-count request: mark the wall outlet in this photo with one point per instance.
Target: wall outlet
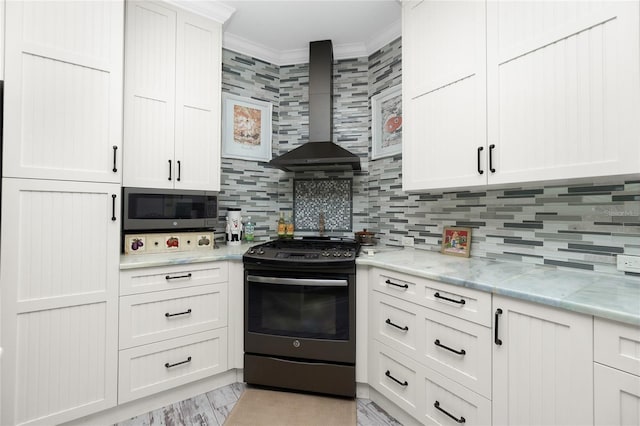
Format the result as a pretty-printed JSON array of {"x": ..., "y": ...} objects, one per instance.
[
  {"x": 407, "y": 241},
  {"x": 628, "y": 263}
]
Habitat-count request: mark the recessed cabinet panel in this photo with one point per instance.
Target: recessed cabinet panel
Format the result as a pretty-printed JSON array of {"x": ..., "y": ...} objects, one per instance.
[
  {"x": 396, "y": 323},
  {"x": 617, "y": 396},
  {"x": 143, "y": 280},
  {"x": 459, "y": 349},
  {"x": 149, "y": 369},
  {"x": 63, "y": 90},
  {"x": 564, "y": 89},
  {"x": 146, "y": 318},
  {"x": 449, "y": 403}
]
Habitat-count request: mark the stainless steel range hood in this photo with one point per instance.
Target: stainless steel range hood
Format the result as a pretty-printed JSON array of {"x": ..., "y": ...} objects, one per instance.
[{"x": 320, "y": 153}]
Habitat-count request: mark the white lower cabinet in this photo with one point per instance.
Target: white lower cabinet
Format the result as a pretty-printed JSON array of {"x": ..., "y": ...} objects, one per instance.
[
  {"x": 152, "y": 368},
  {"x": 616, "y": 373},
  {"x": 430, "y": 352},
  {"x": 173, "y": 327},
  {"x": 542, "y": 365}
]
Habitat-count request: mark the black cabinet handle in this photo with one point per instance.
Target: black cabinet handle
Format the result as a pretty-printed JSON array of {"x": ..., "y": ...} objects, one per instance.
[
  {"x": 491, "y": 158},
  {"x": 437, "y": 295},
  {"x": 388, "y": 374},
  {"x": 113, "y": 207},
  {"x": 115, "y": 150},
  {"x": 167, "y": 365},
  {"x": 496, "y": 339},
  {"x": 405, "y": 328},
  {"x": 459, "y": 420},
  {"x": 168, "y": 315},
  {"x": 169, "y": 169},
  {"x": 405, "y": 286},
  {"x": 169, "y": 277},
  {"x": 179, "y": 171},
  {"x": 480, "y": 149},
  {"x": 460, "y": 352}
]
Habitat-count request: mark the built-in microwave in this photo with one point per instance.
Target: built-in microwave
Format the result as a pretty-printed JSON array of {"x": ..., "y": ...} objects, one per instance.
[{"x": 146, "y": 209}]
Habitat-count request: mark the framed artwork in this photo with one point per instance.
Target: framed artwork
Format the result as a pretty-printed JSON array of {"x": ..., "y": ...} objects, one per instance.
[
  {"x": 456, "y": 241},
  {"x": 386, "y": 125},
  {"x": 246, "y": 128}
]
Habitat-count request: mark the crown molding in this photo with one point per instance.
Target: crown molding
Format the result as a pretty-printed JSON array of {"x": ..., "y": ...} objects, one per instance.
[
  {"x": 301, "y": 56},
  {"x": 215, "y": 10}
]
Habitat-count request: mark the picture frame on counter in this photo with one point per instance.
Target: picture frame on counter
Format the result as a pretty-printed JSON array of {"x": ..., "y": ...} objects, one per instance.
[
  {"x": 456, "y": 241},
  {"x": 386, "y": 123},
  {"x": 246, "y": 128}
]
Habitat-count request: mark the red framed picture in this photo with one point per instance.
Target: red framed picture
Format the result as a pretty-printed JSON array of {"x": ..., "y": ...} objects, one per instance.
[{"x": 456, "y": 241}]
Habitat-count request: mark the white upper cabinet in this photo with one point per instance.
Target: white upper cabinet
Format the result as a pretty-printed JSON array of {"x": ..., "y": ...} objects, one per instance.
[
  {"x": 563, "y": 89},
  {"x": 443, "y": 94},
  {"x": 172, "y": 98},
  {"x": 63, "y": 90},
  {"x": 543, "y": 91}
]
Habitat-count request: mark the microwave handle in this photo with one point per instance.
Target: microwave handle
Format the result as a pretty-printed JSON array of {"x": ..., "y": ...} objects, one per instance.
[{"x": 314, "y": 282}]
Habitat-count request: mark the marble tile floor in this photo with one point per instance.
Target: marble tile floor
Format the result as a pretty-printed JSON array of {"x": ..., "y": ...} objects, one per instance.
[{"x": 212, "y": 409}]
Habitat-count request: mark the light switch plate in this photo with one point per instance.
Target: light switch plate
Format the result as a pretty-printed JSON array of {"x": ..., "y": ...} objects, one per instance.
[{"x": 628, "y": 263}]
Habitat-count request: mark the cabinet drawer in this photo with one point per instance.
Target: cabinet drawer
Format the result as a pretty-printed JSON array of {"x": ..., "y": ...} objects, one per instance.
[
  {"x": 458, "y": 349},
  {"x": 151, "y": 317},
  {"x": 145, "y": 370},
  {"x": 469, "y": 304},
  {"x": 395, "y": 323},
  {"x": 445, "y": 400},
  {"x": 144, "y": 280},
  {"x": 395, "y": 376},
  {"x": 617, "y": 345},
  {"x": 617, "y": 396}
]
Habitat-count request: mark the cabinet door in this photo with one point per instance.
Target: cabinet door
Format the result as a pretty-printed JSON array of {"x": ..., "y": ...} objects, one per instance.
[
  {"x": 198, "y": 74},
  {"x": 564, "y": 89},
  {"x": 443, "y": 94},
  {"x": 149, "y": 95},
  {"x": 63, "y": 90},
  {"x": 59, "y": 278},
  {"x": 617, "y": 397},
  {"x": 543, "y": 370}
]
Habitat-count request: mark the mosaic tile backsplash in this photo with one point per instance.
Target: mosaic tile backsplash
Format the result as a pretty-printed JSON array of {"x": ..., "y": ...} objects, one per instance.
[
  {"x": 575, "y": 226},
  {"x": 331, "y": 198}
]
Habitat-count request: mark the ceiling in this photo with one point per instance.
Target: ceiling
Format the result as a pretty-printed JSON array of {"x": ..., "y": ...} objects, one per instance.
[{"x": 279, "y": 32}]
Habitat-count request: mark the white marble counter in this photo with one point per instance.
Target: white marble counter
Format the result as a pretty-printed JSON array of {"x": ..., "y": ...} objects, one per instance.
[{"x": 601, "y": 295}]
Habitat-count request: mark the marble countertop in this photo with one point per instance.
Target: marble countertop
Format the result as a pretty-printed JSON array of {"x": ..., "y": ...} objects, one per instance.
[{"x": 601, "y": 295}]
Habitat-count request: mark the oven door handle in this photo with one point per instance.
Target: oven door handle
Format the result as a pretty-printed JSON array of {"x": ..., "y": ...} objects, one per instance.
[{"x": 298, "y": 281}]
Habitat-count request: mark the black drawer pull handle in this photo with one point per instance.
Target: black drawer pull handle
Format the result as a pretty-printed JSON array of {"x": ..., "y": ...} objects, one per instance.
[
  {"x": 491, "y": 158},
  {"x": 496, "y": 339},
  {"x": 168, "y": 315},
  {"x": 113, "y": 207},
  {"x": 115, "y": 150},
  {"x": 405, "y": 286},
  {"x": 437, "y": 295},
  {"x": 169, "y": 169},
  {"x": 167, "y": 365},
  {"x": 459, "y": 420},
  {"x": 460, "y": 352},
  {"x": 388, "y": 374},
  {"x": 480, "y": 149},
  {"x": 169, "y": 277},
  {"x": 179, "y": 171},
  {"x": 405, "y": 328}
]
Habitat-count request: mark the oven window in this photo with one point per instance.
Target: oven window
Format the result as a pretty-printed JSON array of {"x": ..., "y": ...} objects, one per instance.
[{"x": 306, "y": 311}]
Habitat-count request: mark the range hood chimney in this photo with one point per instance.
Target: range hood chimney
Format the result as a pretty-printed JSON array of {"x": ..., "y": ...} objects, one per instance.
[{"x": 320, "y": 153}]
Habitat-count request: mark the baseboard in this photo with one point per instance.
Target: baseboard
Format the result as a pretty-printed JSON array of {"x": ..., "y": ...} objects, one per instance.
[{"x": 153, "y": 402}]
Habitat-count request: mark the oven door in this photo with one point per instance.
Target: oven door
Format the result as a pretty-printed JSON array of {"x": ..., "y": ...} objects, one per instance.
[{"x": 300, "y": 317}]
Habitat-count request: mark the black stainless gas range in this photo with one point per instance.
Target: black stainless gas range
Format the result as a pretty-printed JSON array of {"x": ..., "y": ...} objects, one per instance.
[{"x": 300, "y": 315}]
